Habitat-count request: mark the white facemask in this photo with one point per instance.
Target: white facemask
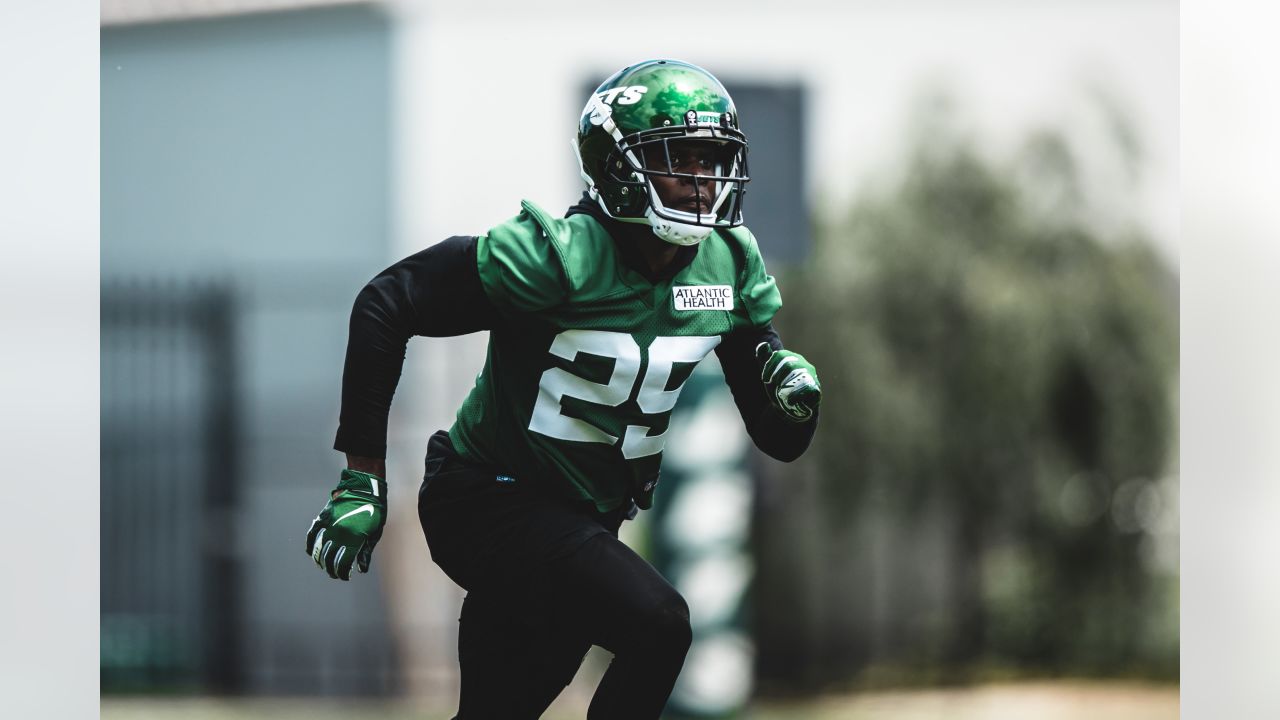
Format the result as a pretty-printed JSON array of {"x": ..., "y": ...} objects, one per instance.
[{"x": 678, "y": 233}]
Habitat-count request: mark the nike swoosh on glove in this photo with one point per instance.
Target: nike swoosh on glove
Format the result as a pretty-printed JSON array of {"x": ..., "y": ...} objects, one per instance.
[
  {"x": 345, "y": 532},
  {"x": 791, "y": 381}
]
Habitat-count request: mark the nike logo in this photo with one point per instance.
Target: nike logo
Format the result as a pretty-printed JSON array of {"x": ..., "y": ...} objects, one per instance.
[
  {"x": 796, "y": 379},
  {"x": 360, "y": 509}
]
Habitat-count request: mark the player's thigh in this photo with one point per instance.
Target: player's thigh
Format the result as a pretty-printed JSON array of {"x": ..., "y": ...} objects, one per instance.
[
  {"x": 616, "y": 598},
  {"x": 487, "y": 528},
  {"x": 514, "y": 662}
]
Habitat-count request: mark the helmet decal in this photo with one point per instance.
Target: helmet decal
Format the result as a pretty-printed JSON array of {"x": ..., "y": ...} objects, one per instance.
[
  {"x": 597, "y": 110},
  {"x": 629, "y": 95}
]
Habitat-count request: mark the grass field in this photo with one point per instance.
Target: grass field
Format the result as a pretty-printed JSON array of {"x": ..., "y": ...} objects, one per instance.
[{"x": 1018, "y": 701}]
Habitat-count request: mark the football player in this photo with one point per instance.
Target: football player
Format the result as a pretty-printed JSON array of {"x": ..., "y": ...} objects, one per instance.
[{"x": 596, "y": 319}]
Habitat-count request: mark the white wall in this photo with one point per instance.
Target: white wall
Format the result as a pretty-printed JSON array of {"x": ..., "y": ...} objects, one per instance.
[{"x": 474, "y": 74}]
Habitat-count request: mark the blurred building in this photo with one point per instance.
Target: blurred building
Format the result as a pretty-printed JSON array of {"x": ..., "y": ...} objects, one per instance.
[{"x": 246, "y": 170}]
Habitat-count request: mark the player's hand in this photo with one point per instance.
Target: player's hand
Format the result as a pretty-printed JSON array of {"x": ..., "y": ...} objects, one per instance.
[
  {"x": 792, "y": 382},
  {"x": 348, "y": 527}
]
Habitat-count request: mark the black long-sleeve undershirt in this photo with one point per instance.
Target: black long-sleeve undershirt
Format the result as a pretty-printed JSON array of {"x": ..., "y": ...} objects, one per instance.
[
  {"x": 434, "y": 293},
  {"x": 437, "y": 293},
  {"x": 777, "y": 436}
]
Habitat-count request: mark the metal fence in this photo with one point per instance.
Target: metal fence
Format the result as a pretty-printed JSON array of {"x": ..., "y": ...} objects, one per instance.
[{"x": 169, "y": 585}]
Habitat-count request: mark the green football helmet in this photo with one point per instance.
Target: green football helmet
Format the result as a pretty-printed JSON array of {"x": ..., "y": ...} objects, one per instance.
[{"x": 645, "y": 121}]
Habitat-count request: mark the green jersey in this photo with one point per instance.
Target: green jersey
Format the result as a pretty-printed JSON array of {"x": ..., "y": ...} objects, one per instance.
[{"x": 580, "y": 378}]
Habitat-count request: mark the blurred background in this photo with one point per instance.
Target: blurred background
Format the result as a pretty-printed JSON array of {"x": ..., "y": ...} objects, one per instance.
[{"x": 972, "y": 210}]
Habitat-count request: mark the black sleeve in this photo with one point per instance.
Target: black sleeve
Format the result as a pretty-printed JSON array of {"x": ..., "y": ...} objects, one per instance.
[
  {"x": 771, "y": 431},
  {"x": 435, "y": 293}
]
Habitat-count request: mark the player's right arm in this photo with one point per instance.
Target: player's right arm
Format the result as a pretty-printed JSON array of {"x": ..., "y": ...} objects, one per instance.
[{"x": 435, "y": 293}]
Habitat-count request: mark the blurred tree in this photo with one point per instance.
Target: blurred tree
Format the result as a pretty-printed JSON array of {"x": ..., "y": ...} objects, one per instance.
[{"x": 998, "y": 374}]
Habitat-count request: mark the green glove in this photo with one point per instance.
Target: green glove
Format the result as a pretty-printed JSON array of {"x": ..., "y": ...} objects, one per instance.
[
  {"x": 350, "y": 524},
  {"x": 791, "y": 380}
]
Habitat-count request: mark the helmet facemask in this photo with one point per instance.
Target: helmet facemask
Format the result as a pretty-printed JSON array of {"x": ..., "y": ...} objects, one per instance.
[{"x": 720, "y": 153}]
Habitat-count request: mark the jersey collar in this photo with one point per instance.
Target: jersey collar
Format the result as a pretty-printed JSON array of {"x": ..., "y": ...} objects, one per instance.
[{"x": 627, "y": 251}]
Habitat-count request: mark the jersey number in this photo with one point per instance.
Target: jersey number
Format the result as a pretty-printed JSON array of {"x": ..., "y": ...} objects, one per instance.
[{"x": 653, "y": 397}]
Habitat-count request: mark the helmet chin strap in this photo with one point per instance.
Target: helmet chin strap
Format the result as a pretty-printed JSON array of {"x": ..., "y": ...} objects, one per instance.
[{"x": 676, "y": 233}]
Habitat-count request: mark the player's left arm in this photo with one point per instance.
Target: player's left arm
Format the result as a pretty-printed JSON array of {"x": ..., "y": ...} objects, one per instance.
[
  {"x": 776, "y": 391},
  {"x": 434, "y": 293}
]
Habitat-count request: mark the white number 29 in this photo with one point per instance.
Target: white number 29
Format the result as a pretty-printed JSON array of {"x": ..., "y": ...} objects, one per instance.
[{"x": 653, "y": 397}]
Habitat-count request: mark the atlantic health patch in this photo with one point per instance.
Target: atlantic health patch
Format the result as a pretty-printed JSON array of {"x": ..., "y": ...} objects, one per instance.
[{"x": 703, "y": 297}]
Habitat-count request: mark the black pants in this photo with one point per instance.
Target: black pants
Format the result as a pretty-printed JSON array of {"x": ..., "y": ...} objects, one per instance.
[{"x": 545, "y": 581}]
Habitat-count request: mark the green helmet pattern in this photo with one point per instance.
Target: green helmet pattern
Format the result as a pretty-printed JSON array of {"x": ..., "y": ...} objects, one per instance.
[{"x": 636, "y": 114}]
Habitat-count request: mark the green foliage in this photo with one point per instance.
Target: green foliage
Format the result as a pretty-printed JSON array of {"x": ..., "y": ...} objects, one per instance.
[{"x": 998, "y": 365}]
